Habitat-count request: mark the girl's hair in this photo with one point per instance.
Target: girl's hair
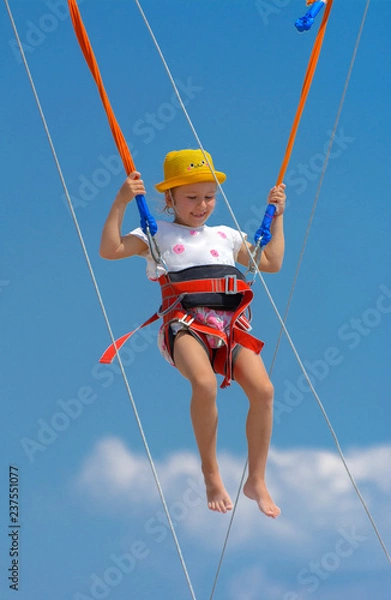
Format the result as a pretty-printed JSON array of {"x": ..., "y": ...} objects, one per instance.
[{"x": 167, "y": 210}]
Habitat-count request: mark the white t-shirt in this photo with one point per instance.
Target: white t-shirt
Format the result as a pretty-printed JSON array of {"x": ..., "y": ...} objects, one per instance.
[{"x": 182, "y": 247}]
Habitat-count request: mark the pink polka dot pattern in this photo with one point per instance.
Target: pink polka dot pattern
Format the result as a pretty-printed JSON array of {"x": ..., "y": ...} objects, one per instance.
[
  {"x": 179, "y": 248},
  {"x": 222, "y": 234},
  {"x": 193, "y": 232},
  {"x": 214, "y": 253}
]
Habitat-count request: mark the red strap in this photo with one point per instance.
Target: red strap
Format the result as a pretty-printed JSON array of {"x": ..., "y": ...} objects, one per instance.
[
  {"x": 222, "y": 362},
  {"x": 228, "y": 284},
  {"x": 239, "y": 325},
  {"x": 243, "y": 338},
  {"x": 109, "y": 354},
  {"x": 238, "y": 333}
]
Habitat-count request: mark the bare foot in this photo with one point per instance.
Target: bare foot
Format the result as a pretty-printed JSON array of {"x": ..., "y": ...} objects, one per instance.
[
  {"x": 257, "y": 490},
  {"x": 217, "y": 496}
]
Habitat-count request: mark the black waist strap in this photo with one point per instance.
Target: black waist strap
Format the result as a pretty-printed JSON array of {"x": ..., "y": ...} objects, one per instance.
[{"x": 215, "y": 300}]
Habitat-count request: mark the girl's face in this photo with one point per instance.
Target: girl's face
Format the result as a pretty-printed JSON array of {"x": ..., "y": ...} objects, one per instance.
[{"x": 193, "y": 204}]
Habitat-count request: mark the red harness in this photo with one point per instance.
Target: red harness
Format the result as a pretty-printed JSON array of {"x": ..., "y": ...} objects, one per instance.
[{"x": 172, "y": 310}]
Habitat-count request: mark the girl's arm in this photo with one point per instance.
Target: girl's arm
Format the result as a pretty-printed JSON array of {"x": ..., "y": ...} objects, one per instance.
[
  {"x": 273, "y": 254},
  {"x": 114, "y": 245}
]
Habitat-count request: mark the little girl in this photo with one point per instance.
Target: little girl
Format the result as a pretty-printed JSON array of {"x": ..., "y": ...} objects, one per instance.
[{"x": 192, "y": 250}]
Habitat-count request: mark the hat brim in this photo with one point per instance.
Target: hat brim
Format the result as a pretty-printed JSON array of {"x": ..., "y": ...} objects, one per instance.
[{"x": 189, "y": 178}]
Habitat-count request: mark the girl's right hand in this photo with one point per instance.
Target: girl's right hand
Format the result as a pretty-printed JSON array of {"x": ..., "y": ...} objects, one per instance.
[{"x": 133, "y": 186}]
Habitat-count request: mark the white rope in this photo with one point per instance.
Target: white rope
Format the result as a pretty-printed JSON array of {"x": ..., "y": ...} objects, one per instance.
[
  {"x": 294, "y": 285},
  {"x": 280, "y": 319},
  {"x": 306, "y": 236},
  {"x": 320, "y": 183},
  {"x": 100, "y": 299}
]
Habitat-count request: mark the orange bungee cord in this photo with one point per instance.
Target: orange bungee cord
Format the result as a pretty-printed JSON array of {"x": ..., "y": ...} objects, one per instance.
[
  {"x": 148, "y": 223},
  {"x": 309, "y": 75}
]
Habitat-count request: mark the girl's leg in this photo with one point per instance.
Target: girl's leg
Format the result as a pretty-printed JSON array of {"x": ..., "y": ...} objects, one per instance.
[
  {"x": 250, "y": 373},
  {"x": 193, "y": 363}
]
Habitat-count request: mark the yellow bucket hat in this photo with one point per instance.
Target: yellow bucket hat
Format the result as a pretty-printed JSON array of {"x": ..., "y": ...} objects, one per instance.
[{"x": 182, "y": 167}]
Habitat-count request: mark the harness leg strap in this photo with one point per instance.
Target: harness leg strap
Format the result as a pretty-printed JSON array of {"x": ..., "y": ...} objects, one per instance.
[
  {"x": 110, "y": 353},
  {"x": 173, "y": 311}
]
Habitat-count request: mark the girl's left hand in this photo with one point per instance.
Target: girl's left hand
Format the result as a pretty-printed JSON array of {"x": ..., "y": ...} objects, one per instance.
[{"x": 277, "y": 196}]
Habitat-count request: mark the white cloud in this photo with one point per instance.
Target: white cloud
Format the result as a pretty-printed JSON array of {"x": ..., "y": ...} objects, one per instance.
[
  {"x": 310, "y": 485},
  {"x": 111, "y": 470},
  {"x": 114, "y": 476},
  {"x": 373, "y": 466}
]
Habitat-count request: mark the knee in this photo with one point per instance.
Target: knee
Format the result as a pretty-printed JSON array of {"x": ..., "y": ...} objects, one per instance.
[
  {"x": 264, "y": 394},
  {"x": 269, "y": 392},
  {"x": 204, "y": 387}
]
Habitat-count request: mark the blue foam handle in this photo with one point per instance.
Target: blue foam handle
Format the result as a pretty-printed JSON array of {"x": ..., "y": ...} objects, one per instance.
[
  {"x": 263, "y": 232},
  {"x": 305, "y": 23},
  {"x": 146, "y": 219}
]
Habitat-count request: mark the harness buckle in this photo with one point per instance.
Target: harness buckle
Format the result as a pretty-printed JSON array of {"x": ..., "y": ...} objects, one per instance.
[
  {"x": 186, "y": 320},
  {"x": 231, "y": 284}
]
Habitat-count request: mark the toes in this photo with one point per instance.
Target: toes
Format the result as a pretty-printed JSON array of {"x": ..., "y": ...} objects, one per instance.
[
  {"x": 222, "y": 506},
  {"x": 216, "y": 506},
  {"x": 271, "y": 511}
]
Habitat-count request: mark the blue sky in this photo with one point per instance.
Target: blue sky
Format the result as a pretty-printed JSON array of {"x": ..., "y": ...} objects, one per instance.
[{"x": 91, "y": 520}]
